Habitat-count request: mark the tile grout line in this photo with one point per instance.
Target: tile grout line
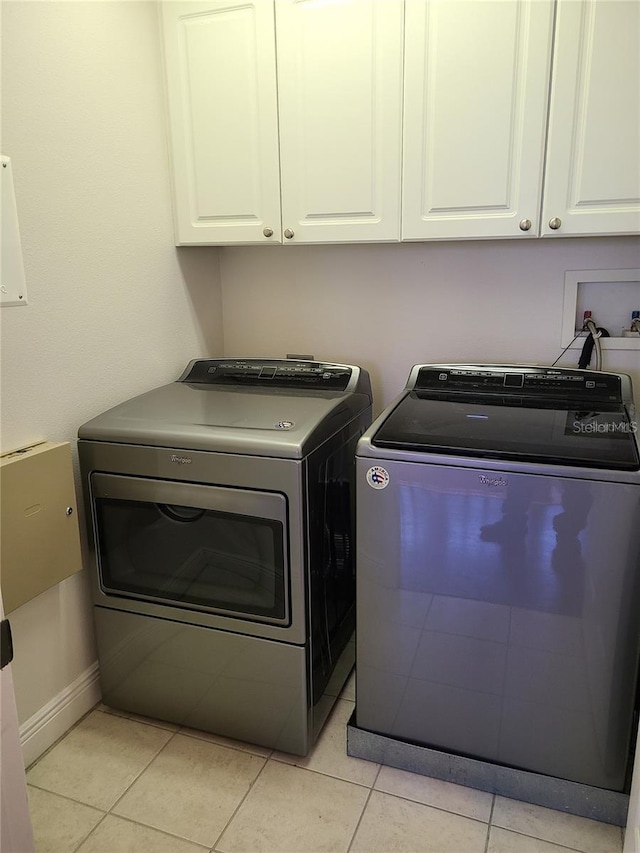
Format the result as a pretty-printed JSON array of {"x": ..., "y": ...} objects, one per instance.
[
  {"x": 105, "y": 813},
  {"x": 393, "y": 794},
  {"x": 441, "y": 809},
  {"x": 91, "y": 831},
  {"x": 240, "y": 804},
  {"x": 190, "y": 734},
  {"x": 408, "y": 799},
  {"x": 66, "y": 797},
  {"x": 364, "y": 808},
  {"x": 127, "y": 789},
  {"x": 297, "y": 767},
  {"x": 77, "y": 803},
  {"x": 489, "y": 824},
  {"x": 59, "y": 740},
  {"x": 148, "y": 826},
  {"x": 146, "y": 767},
  {"x": 329, "y": 775},
  {"x": 546, "y": 840}
]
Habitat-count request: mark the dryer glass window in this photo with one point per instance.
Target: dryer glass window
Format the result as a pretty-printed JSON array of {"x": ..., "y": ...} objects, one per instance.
[{"x": 193, "y": 556}]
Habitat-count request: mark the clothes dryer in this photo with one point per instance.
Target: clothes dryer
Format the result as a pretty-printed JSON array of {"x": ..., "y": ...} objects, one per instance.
[{"x": 221, "y": 521}]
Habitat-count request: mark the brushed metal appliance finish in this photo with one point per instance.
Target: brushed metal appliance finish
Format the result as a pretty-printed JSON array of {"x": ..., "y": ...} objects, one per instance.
[
  {"x": 233, "y": 474},
  {"x": 497, "y": 605},
  {"x": 180, "y": 630},
  {"x": 209, "y": 680}
]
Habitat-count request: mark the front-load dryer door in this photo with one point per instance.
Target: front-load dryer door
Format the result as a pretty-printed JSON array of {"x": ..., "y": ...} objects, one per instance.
[{"x": 192, "y": 548}]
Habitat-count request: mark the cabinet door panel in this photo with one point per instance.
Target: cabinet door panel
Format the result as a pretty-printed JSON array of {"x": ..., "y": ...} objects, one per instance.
[
  {"x": 221, "y": 86},
  {"x": 476, "y": 84},
  {"x": 340, "y": 90},
  {"x": 593, "y": 163}
]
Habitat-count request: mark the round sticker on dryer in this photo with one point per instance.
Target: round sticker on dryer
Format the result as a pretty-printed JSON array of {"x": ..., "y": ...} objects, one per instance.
[{"x": 377, "y": 477}]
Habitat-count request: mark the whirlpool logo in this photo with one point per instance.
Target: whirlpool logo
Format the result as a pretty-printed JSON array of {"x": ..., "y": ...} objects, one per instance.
[
  {"x": 180, "y": 460},
  {"x": 492, "y": 481}
]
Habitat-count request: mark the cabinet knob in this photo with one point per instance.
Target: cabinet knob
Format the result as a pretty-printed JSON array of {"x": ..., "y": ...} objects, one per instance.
[
  {"x": 525, "y": 224},
  {"x": 555, "y": 223},
  {"x": 288, "y": 233},
  {"x": 268, "y": 232}
]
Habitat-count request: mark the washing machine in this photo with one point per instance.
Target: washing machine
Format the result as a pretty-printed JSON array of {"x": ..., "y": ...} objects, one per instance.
[
  {"x": 498, "y": 570},
  {"x": 221, "y": 524}
]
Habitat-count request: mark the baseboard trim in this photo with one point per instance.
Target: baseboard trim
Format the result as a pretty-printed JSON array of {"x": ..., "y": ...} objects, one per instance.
[
  {"x": 55, "y": 718},
  {"x": 631, "y": 839}
]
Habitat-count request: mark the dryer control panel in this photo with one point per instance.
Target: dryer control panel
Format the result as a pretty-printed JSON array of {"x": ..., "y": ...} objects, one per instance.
[{"x": 279, "y": 373}]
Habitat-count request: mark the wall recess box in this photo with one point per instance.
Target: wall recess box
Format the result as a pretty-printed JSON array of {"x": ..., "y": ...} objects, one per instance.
[
  {"x": 40, "y": 544},
  {"x": 13, "y": 286},
  {"x": 611, "y": 296}
]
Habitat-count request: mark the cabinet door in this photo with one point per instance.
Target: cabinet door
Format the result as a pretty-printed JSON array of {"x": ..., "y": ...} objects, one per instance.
[
  {"x": 476, "y": 93},
  {"x": 340, "y": 93},
  {"x": 592, "y": 183},
  {"x": 221, "y": 89}
]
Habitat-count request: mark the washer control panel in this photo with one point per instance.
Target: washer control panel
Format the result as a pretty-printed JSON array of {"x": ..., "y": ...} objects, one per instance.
[{"x": 520, "y": 381}]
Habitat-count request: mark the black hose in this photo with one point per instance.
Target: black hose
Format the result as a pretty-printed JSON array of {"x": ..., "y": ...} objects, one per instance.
[{"x": 587, "y": 349}]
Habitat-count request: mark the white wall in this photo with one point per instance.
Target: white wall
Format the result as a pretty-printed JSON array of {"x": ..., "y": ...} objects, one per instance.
[
  {"x": 113, "y": 308},
  {"x": 387, "y": 307}
]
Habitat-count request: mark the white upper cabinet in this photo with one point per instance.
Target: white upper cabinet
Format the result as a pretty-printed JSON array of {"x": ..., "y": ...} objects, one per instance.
[
  {"x": 475, "y": 111},
  {"x": 338, "y": 141},
  {"x": 340, "y": 107},
  {"x": 221, "y": 90},
  {"x": 592, "y": 183},
  {"x": 329, "y": 121}
]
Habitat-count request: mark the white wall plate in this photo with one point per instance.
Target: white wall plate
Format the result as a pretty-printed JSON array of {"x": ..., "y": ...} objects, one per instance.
[
  {"x": 611, "y": 305},
  {"x": 13, "y": 286}
]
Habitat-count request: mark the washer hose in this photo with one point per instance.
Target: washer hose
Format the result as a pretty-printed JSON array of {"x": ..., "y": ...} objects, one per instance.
[{"x": 592, "y": 339}]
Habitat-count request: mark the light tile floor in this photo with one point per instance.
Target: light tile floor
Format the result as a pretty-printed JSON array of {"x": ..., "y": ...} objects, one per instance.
[{"x": 122, "y": 784}]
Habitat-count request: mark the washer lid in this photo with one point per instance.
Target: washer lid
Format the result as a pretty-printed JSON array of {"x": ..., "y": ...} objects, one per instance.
[
  {"x": 548, "y": 431},
  {"x": 254, "y": 421}
]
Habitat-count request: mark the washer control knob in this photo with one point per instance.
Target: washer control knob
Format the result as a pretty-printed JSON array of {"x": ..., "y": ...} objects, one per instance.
[
  {"x": 555, "y": 223},
  {"x": 525, "y": 224},
  {"x": 288, "y": 233},
  {"x": 268, "y": 232}
]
